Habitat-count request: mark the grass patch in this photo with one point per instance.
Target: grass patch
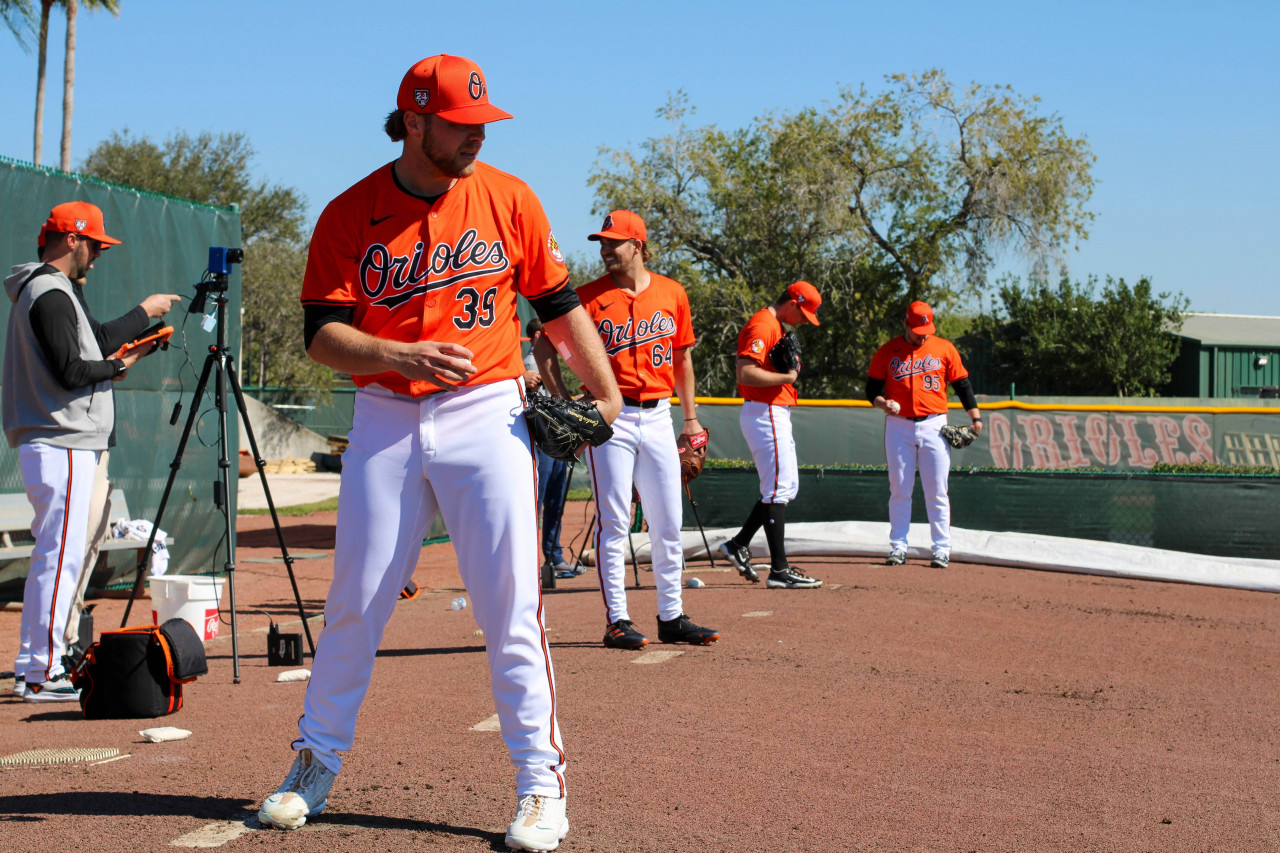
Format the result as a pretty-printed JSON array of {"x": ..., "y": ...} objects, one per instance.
[
  {"x": 578, "y": 495},
  {"x": 293, "y": 511}
]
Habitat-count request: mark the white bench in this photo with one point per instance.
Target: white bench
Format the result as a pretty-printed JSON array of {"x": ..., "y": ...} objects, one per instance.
[{"x": 16, "y": 516}]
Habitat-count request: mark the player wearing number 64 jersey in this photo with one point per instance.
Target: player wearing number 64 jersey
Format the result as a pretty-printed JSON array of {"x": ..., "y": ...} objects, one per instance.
[
  {"x": 908, "y": 380},
  {"x": 643, "y": 321}
]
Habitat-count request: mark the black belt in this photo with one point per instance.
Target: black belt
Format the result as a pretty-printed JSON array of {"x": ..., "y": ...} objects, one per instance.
[
  {"x": 921, "y": 418},
  {"x": 642, "y": 404}
]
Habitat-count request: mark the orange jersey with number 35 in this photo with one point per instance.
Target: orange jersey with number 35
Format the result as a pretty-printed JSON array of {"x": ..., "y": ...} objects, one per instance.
[
  {"x": 447, "y": 270},
  {"x": 916, "y": 377},
  {"x": 640, "y": 332}
]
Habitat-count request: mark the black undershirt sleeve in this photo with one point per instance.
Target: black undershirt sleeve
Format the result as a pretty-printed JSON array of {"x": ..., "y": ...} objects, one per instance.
[
  {"x": 964, "y": 390},
  {"x": 548, "y": 307},
  {"x": 114, "y": 334},
  {"x": 875, "y": 388},
  {"x": 556, "y": 303},
  {"x": 54, "y": 322},
  {"x": 315, "y": 316}
]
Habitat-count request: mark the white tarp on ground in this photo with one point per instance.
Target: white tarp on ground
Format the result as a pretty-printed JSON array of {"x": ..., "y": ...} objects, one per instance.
[{"x": 1019, "y": 550}]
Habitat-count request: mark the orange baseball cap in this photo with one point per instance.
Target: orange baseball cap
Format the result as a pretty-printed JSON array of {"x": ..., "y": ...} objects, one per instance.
[
  {"x": 622, "y": 225},
  {"x": 920, "y": 318},
  {"x": 806, "y": 296},
  {"x": 77, "y": 217},
  {"x": 451, "y": 87}
]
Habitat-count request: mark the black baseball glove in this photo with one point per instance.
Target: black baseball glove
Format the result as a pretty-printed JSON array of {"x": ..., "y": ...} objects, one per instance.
[
  {"x": 959, "y": 436},
  {"x": 561, "y": 426},
  {"x": 785, "y": 355}
]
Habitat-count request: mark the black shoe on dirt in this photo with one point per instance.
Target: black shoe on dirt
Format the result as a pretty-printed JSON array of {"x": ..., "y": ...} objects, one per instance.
[
  {"x": 682, "y": 630},
  {"x": 623, "y": 635},
  {"x": 741, "y": 559},
  {"x": 788, "y": 578}
]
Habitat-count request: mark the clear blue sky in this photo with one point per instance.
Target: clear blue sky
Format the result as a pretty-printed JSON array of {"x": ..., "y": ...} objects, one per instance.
[{"x": 1180, "y": 101}]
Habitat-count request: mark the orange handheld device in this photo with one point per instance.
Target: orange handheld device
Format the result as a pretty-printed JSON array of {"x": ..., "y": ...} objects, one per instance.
[{"x": 157, "y": 335}]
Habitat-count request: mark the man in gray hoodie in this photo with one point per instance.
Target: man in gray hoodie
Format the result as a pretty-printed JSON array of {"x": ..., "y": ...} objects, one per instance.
[{"x": 59, "y": 414}]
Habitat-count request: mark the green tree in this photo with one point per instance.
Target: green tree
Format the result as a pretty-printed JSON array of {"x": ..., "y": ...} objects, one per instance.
[
  {"x": 18, "y": 16},
  {"x": 875, "y": 201},
  {"x": 736, "y": 217},
  {"x": 944, "y": 180},
  {"x": 1071, "y": 340},
  {"x": 216, "y": 169}
]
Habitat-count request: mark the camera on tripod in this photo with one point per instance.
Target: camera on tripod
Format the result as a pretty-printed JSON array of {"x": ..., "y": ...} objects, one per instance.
[{"x": 216, "y": 276}]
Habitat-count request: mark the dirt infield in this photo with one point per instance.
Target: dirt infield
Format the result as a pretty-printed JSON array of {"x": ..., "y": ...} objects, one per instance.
[{"x": 895, "y": 709}]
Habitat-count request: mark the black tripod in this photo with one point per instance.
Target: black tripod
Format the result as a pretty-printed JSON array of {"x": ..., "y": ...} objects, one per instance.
[{"x": 219, "y": 358}]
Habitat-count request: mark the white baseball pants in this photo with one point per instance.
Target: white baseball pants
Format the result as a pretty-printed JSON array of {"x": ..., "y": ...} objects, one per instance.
[
  {"x": 907, "y": 445},
  {"x": 465, "y": 454},
  {"x": 767, "y": 430},
  {"x": 642, "y": 451},
  {"x": 59, "y": 484}
]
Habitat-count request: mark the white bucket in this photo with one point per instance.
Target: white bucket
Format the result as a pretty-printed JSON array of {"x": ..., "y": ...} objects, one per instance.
[{"x": 191, "y": 597}]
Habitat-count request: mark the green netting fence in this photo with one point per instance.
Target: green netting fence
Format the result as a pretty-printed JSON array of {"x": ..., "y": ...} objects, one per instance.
[
  {"x": 165, "y": 250},
  {"x": 1227, "y": 516}
]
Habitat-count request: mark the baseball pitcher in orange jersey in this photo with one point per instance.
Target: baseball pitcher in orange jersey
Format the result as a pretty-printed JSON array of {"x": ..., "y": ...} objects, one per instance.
[
  {"x": 768, "y": 394},
  {"x": 643, "y": 321},
  {"x": 908, "y": 380},
  {"x": 411, "y": 288}
]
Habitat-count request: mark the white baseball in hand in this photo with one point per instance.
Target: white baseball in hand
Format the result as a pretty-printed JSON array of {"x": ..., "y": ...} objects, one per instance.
[{"x": 892, "y": 407}]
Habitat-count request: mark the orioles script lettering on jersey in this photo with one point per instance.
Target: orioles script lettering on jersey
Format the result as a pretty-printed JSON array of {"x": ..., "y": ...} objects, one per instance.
[
  {"x": 900, "y": 367},
  {"x": 617, "y": 338},
  {"x": 468, "y": 258}
]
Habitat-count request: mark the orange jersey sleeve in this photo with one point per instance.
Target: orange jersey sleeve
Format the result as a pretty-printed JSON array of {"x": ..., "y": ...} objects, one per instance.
[
  {"x": 916, "y": 377},
  {"x": 442, "y": 270},
  {"x": 755, "y": 340},
  {"x": 640, "y": 332}
]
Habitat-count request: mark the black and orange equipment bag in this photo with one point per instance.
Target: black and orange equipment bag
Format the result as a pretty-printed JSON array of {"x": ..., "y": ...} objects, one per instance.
[{"x": 139, "y": 672}]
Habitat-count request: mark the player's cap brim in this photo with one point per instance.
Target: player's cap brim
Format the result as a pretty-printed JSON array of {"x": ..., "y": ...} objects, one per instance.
[
  {"x": 810, "y": 314},
  {"x": 474, "y": 114},
  {"x": 926, "y": 329},
  {"x": 610, "y": 235}
]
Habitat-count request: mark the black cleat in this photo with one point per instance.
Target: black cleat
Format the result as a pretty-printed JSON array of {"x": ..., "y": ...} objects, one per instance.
[
  {"x": 940, "y": 561},
  {"x": 788, "y": 578},
  {"x": 895, "y": 558},
  {"x": 741, "y": 558},
  {"x": 623, "y": 635},
  {"x": 682, "y": 630}
]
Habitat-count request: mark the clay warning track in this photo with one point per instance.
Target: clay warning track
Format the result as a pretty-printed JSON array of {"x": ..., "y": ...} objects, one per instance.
[{"x": 897, "y": 708}]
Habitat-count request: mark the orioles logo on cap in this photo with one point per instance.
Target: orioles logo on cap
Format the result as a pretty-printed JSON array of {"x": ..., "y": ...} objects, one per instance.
[
  {"x": 475, "y": 86},
  {"x": 608, "y": 222},
  {"x": 421, "y": 96},
  {"x": 80, "y": 224}
]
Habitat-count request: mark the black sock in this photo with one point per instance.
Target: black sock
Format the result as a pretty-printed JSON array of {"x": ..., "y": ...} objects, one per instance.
[
  {"x": 775, "y": 531},
  {"x": 753, "y": 523}
]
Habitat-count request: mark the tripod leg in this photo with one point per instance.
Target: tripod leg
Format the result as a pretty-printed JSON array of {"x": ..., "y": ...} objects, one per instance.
[
  {"x": 222, "y": 500},
  {"x": 635, "y": 567},
  {"x": 275, "y": 519},
  {"x": 694, "y": 504},
  {"x": 577, "y": 563},
  {"x": 144, "y": 558}
]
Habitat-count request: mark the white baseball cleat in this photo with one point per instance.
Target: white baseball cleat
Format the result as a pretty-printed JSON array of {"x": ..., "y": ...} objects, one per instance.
[
  {"x": 540, "y": 823},
  {"x": 303, "y": 793}
]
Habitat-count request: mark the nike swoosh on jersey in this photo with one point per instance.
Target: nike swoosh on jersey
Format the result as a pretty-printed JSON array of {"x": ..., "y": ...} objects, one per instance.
[{"x": 373, "y": 221}]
